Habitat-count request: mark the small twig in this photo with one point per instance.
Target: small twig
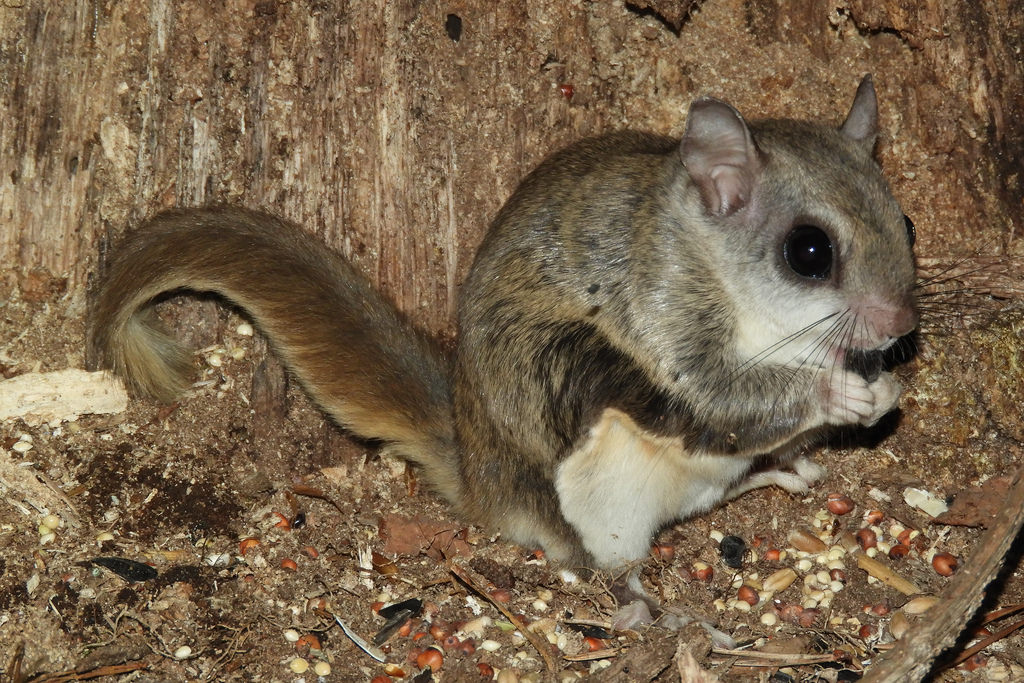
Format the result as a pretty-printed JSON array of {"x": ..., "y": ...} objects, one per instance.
[
  {"x": 886, "y": 575},
  {"x": 773, "y": 658},
  {"x": 604, "y": 653},
  {"x": 982, "y": 644},
  {"x": 72, "y": 675},
  {"x": 538, "y": 644}
]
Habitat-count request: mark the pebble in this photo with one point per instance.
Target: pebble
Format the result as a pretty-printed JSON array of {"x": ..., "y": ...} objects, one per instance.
[
  {"x": 22, "y": 447},
  {"x": 298, "y": 665},
  {"x": 322, "y": 669}
]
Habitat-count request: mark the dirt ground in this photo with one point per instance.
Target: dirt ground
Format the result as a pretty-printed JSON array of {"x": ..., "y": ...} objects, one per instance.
[{"x": 260, "y": 530}]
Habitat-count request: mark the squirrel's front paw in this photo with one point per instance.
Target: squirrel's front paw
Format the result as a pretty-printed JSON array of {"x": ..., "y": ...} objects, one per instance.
[{"x": 851, "y": 399}]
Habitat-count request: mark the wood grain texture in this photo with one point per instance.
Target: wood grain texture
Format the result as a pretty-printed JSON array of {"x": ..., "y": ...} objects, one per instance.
[{"x": 373, "y": 126}]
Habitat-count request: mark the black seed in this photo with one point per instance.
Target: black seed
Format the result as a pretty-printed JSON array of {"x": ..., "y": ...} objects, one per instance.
[{"x": 733, "y": 548}]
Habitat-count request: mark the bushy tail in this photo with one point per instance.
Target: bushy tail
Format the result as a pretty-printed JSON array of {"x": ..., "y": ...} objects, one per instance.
[{"x": 348, "y": 346}]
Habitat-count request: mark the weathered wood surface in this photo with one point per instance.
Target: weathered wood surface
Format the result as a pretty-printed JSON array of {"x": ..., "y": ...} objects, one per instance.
[{"x": 396, "y": 130}]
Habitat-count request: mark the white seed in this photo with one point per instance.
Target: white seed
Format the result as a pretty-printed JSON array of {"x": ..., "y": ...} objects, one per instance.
[
  {"x": 836, "y": 552},
  {"x": 105, "y": 536},
  {"x": 216, "y": 360},
  {"x": 545, "y": 595},
  {"x": 872, "y": 551},
  {"x": 836, "y": 564},
  {"x": 245, "y": 329},
  {"x": 52, "y": 521},
  {"x": 238, "y": 353},
  {"x": 540, "y": 606},
  {"x": 47, "y": 538},
  {"x": 809, "y": 603},
  {"x": 298, "y": 665},
  {"x": 737, "y": 582},
  {"x": 719, "y": 604},
  {"x": 769, "y": 619},
  {"x": 476, "y": 627},
  {"x": 804, "y": 565},
  {"x": 836, "y": 586},
  {"x": 817, "y": 596},
  {"x": 823, "y": 578},
  {"x": 291, "y": 635},
  {"x": 740, "y": 605},
  {"x": 183, "y": 652},
  {"x": 322, "y": 668},
  {"x": 22, "y": 447},
  {"x": 716, "y": 535},
  {"x": 489, "y": 645}
]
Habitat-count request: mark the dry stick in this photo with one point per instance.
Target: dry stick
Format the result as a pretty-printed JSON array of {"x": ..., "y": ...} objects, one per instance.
[
  {"x": 112, "y": 670},
  {"x": 981, "y": 645},
  {"x": 540, "y": 645},
  {"x": 912, "y": 657}
]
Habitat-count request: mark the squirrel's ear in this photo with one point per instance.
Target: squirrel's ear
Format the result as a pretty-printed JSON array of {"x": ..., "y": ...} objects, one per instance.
[
  {"x": 861, "y": 124},
  {"x": 719, "y": 155}
]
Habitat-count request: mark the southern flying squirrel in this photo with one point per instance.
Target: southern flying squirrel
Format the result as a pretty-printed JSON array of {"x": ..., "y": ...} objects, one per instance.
[{"x": 645, "y": 319}]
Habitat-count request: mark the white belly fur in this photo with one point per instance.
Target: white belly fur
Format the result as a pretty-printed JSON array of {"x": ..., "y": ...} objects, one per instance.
[{"x": 623, "y": 484}]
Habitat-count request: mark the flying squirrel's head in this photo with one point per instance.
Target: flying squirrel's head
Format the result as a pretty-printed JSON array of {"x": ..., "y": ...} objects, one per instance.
[{"x": 812, "y": 251}]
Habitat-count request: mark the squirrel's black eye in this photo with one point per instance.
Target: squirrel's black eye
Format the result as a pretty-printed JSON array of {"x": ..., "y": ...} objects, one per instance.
[
  {"x": 808, "y": 251},
  {"x": 911, "y": 231}
]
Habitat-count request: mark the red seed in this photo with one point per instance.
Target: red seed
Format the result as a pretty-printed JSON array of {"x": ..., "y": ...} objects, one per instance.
[
  {"x": 500, "y": 595},
  {"x": 772, "y": 555},
  {"x": 702, "y": 572},
  {"x": 431, "y": 658},
  {"x": 439, "y": 630},
  {"x": 976, "y": 662},
  {"x": 866, "y": 538},
  {"x": 839, "y": 504},
  {"x": 837, "y": 575},
  {"x": 376, "y": 607},
  {"x": 866, "y": 631},
  {"x": 881, "y": 609},
  {"x": 664, "y": 552},
  {"x": 944, "y": 563},
  {"x": 899, "y": 551},
  {"x": 289, "y": 563},
  {"x": 467, "y": 647},
  {"x": 567, "y": 90},
  {"x": 282, "y": 521},
  {"x": 485, "y": 669},
  {"x": 593, "y": 644},
  {"x": 451, "y": 642},
  {"x": 306, "y": 643},
  {"x": 247, "y": 544},
  {"x": 874, "y": 516},
  {"x": 405, "y": 629},
  {"x": 808, "y": 617},
  {"x": 312, "y": 552},
  {"x": 904, "y": 536},
  {"x": 748, "y": 595},
  {"x": 381, "y": 679}
]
